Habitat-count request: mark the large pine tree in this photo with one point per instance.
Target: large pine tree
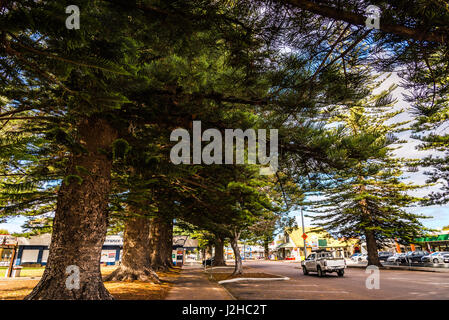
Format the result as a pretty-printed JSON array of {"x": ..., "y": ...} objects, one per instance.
[{"x": 368, "y": 201}]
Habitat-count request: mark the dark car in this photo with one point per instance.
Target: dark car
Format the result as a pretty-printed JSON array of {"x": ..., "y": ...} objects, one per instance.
[
  {"x": 446, "y": 258},
  {"x": 415, "y": 256},
  {"x": 384, "y": 255},
  {"x": 208, "y": 262}
]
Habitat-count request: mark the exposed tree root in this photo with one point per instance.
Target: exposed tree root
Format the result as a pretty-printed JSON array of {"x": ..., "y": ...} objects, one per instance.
[{"x": 127, "y": 274}]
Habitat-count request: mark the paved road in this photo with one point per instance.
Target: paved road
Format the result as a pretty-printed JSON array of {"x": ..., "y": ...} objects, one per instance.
[{"x": 394, "y": 285}]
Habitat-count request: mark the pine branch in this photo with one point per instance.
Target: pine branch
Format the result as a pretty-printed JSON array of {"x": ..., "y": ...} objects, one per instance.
[{"x": 418, "y": 34}]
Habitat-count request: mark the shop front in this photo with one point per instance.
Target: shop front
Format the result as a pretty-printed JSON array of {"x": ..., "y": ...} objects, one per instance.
[{"x": 439, "y": 242}]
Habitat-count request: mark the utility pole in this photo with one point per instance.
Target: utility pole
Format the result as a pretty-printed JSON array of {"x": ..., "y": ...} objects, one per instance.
[
  {"x": 303, "y": 232},
  {"x": 11, "y": 263},
  {"x": 244, "y": 250}
]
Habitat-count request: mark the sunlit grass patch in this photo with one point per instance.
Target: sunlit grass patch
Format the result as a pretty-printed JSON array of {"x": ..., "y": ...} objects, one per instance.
[{"x": 127, "y": 290}]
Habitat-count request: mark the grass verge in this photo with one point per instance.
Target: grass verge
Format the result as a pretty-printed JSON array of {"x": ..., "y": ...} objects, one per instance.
[{"x": 121, "y": 290}]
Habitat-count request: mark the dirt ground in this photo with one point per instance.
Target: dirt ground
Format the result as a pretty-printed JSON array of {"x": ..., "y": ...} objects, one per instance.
[{"x": 127, "y": 290}]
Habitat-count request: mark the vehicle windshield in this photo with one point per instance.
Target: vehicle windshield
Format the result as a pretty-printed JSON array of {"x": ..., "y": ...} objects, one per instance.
[{"x": 326, "y": 255}]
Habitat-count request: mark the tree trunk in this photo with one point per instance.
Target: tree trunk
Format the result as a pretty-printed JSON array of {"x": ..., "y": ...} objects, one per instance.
[
  {"x": 160, "y": 243},
  {"x": 266, "y": 249},
  {"x": 136, "y": 253},
  {"x": 238, "y": 269},
  {"x": 208, "y": 251},
  {"x": 167, "y": 254},
  {"x": 79, "y": 226},
  {"x": 371, "y": 247},
  {"x": 219, "y": 259}
]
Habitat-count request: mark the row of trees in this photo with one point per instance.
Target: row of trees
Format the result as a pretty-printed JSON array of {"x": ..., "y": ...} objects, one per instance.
[{"x": 86, "y": 117}]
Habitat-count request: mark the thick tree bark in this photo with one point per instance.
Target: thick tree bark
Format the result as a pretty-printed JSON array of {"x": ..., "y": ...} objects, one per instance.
[
  {"x": 167, "y": 254},
  {"x": 136, "y": 253},
  {"x": 161, "y": 231},
  {"x": 238, "y": 269},
  {"x": 208, "y": 252},
  {"x": 266, "y": 249},
  {"x": 371, "y": 247},
  {"x": 79, "y": 226},
  {"x": 219, "y": 259}
]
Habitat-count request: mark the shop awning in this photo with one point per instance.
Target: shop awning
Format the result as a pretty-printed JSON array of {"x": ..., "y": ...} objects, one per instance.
[
  {"x": 441, "y": 237},
  {"x": 286, "y": 246}
]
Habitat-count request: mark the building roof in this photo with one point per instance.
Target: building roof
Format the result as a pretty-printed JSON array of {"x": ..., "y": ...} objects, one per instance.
[
  {"x": 191, "y": 243},
  {"x": 316, "y": 236},
  {"x": 285, "y": 245},
  {"x": 179, "y": 241},
  {"x": 7, "y": 240},
  {"x": 117, "y": 240},
  {"x": 38, "y": 240},
  {"x": 185, "y": 241}
]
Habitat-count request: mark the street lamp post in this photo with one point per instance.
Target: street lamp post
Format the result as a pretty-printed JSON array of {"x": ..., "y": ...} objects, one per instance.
[{"x": 303, "y": 232}]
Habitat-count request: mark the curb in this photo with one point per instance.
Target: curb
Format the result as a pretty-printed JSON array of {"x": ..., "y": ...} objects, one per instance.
[
  {"x": 219, "y": 284},
  {"x": 227, "y": 291},
  {"x": 220, "y": 267},
  {"x": 253, "y": 279}
]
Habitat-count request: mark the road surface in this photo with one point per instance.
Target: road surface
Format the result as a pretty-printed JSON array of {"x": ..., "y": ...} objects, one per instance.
[{"x": 394, "y": 284}]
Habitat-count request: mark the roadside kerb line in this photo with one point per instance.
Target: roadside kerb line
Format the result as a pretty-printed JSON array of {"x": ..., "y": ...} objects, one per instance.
[{"x": 253, "y": 279}]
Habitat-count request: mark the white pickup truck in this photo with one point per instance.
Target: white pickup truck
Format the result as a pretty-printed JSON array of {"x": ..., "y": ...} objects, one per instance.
[{"x": 323, "y": 262}]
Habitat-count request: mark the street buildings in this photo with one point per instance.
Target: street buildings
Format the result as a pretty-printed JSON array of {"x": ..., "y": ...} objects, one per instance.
[
  {"x": 290, "y": 246},
  {"x": 33, "y": 251}
]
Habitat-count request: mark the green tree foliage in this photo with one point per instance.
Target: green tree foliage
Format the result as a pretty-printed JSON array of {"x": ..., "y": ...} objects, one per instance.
[
  {"x": 105, "y": 98},
  {"x": 368, "y": 201}
]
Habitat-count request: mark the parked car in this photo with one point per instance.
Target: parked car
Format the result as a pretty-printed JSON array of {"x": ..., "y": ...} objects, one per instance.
[
  {"x": 404, "y": 257},
  {"x": 355, "y": 256},
  {"x": 323, "y": 262},
  {"x": 384, "y": 255},
  {"x": 428, "y": 257},
  {"x": 208, "y": 262},
  {"x": 436, "y": 257},
  {"x": 358, "y": 257},
  {"x": 415, "y": 256},
  {"x": 446, "y": 258},
  {"x": 396, "y": 258}
]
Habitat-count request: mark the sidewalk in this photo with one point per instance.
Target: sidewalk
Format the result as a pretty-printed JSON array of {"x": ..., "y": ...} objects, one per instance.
[{"x": 193, "y": 284}]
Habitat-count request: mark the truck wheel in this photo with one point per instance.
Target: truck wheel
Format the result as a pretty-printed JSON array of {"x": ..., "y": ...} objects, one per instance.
[
  {"x": 320, "y": 272},
  {"x": 305, "y": 271},
  {"x": 341, "y": 273}
]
